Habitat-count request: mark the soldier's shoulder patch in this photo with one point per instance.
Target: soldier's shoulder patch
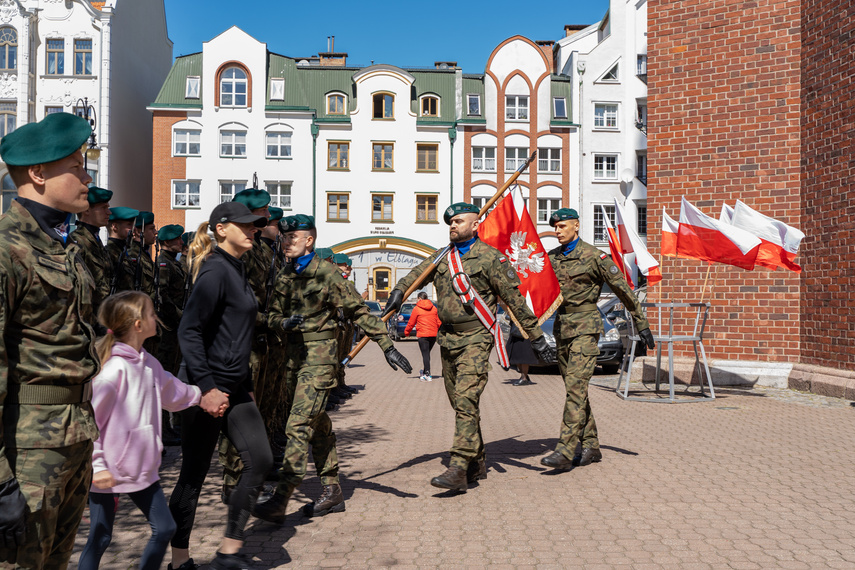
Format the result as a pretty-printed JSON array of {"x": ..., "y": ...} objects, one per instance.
[
  {"x": 511, "y": 273},
  {"x": 503, "y": 259},
  {"x": 613, "y": 269},
  {"x": 603, "y": 256}
]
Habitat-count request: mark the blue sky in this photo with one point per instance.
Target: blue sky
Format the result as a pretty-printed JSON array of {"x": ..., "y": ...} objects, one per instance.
[{"x": 406, "y": 34}]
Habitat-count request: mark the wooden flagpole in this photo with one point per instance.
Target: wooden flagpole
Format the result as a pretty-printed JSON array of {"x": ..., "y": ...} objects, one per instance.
[{"x": 704, "y": 288}]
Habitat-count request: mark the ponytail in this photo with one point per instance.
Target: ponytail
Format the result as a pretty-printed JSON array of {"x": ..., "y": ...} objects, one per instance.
[
  {"x": 118, "y": 313},
  {"x": 200, "y": 248}
]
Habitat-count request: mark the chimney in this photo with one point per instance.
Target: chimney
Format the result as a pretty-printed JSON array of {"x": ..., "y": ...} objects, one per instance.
[
  {"x": 331, "y": 58},
  {"x": 445, "y": 64},
  {"x": 546, "y": 47},
  {"x": 571, "y": 29}
]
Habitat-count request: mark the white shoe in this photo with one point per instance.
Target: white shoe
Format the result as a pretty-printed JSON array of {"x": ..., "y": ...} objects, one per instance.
[{"x": 427, "y": 378}]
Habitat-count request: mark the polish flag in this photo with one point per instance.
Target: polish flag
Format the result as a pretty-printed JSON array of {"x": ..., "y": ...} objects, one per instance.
[
  {"x": 508, "y": 228},
  {"x": 631, "y": 243},
  {"x": 622, "y": 259},
  {"x": 779, "y": 242},
  {"x": 726, "y": 215},
  {"x": 703, "y": 237},
  {"x": 670, "y": 229}
]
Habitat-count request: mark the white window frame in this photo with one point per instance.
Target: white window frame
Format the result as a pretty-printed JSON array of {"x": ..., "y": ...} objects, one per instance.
[
  {"x": 551, "y": 162},
  {"x": 563, "y": 101},
  {"x": 230, "y": 137},
  {"x": 235, "y": 186},
  {"x": 641, "y": 219},
  {"x": 470, "y": 98},
  {"x": 605, "y": 114},
  {"x": 185, "y": 187},
  {"x": 480, "y": 201},
  {"x": 546, "y": 207},
  {"x": 193, "y": 87},
  {"x": 234, "y": 82},
  {"x": 283, "y": 149},
  {"x": 606, "y": 174},
  {"x": 480, "y": 161},
  {"x": 601, "y": 235},
  {"x": 515, "y": 103},
  {"x": 185, "y": 137},
  {"x": 280, "y": 193},
  {"x": 277, "y": 88},
  {"x": 520, "y": 155}
]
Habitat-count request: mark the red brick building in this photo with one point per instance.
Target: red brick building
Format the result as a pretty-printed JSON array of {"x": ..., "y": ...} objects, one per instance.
[{"x": 752, "y": 101}]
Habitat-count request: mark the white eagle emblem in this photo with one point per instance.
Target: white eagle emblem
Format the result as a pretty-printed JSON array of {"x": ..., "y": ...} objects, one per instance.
[{"x": 522, "y": 256}]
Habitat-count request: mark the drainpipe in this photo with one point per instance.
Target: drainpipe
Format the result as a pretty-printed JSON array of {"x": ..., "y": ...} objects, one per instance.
[
  {"x": 580, "y": 69},
  {"x": 315, "y": 130},
  {"x": 452, "y": 136}
]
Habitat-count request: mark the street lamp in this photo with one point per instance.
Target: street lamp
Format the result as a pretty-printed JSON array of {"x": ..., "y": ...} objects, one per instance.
[{"x": 91, "y": 150}]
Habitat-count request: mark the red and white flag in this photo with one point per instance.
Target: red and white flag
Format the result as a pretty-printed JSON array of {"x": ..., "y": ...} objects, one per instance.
[
  {"x": 726, "y": 215},
  {"x": 703, "y": 237},
  {"x": 631, "y": 243},
  {"x": 779, "y": 242},
  {"x": 621, "y": 258},
  {"x": 509, "y": 229},
  {"x": 670, "y": 229}
]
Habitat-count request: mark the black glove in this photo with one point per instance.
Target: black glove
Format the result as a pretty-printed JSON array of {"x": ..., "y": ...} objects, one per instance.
[
  {"x": 395, "y": 359},
  {"x": 292, "y": 322},
  {"x": 396, "y": 299},
  {"x": 545, "y": 352},
  {"x": 13, "y": 515},
  {"x": 647, "y": 337}
]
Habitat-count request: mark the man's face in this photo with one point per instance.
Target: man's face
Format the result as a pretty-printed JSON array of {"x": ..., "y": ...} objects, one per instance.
[
  {"x": 345, "y": 269},
  {"x": 265, "y": 211},
  {"x": 297, "y": 243},
  {"x": 271, "y": 231},
  {"x": 172, "y": 245},
  {"x": 66, "y": 183},
  {"x": 120, "y": 228},
  {"x": 463, "y": 226},
  {"x": 149, "y": 233},
  {"x": 97, "y": 215},
  {"x": 567, "y": 231}
]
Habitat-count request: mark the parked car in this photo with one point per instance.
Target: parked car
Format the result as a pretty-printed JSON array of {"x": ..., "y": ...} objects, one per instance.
[
  {"x": 375, "y": 309},
  {"x": 398, "y": 322}
]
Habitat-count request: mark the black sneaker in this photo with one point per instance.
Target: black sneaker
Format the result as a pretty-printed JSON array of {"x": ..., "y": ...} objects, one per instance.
[
  {"x": 189, "y": 565},
  {"x": 231, "y": 561}
]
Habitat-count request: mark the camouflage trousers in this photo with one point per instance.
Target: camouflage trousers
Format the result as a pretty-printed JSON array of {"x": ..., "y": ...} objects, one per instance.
[
  {"x": 345, "y": 343},
  {"x": 55, "y": 483},
  {"x": 577, "y": 358},
  {"x": 308, "y": 424},
  {"x": 465, "y": 371},
  {"x": 168, "y": 352}
]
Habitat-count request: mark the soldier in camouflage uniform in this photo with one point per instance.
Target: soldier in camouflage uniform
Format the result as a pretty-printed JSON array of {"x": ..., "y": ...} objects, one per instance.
[
  {"x": 171, "y": 278},
  {"x": 465, "y": 343},
  {"x": 346, "y": 328},
  {"x": 47, "y": 354},
  {"x": 121, "y": 224},
  {"x": 307, "y": 295},
  {"x": 581, "y": 270},
  {"x": 87, "y": 236}
]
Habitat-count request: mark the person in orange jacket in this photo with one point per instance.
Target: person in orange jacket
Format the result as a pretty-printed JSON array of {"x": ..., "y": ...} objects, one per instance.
[{"x": 425, "y": 319}]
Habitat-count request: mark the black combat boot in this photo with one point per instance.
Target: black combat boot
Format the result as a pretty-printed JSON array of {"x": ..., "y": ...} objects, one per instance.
[
  {"x": 589, "y": 455},
  {"x": 273, "y": 509},
  {"x": 476, "y": 471},
  {"x": 330, "y": 501},
  {"x": 454, "y": 479},
  {"x": 556, "y": 460}
]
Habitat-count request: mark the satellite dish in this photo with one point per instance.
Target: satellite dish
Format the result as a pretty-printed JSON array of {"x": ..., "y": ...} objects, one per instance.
[
  {"x": 627, "y": 176},
  {"x": 303, "y": 62},
  {"x": 443, "y": 66}
]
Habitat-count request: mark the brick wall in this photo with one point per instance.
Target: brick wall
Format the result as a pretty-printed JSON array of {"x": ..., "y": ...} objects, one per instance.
[
  {"x": 724, "y": 102},
  {"x": 165, "y": 168},
  {"x": 828, "y": 171}
]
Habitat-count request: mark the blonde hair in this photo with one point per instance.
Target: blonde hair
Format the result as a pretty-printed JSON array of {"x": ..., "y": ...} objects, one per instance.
[
  {"x": 118, "y": 313},
  {"x": 199, "y": 250}
]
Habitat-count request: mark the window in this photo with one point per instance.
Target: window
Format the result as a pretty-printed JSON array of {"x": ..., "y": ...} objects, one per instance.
[
  {"x": 52, "y": 110},
  {"x": 8, "y": 48},
  {"x": 641, "y": 167},
  {"x": 277, "y": 89},
  {"x": 642, "y": 220},
  {"x": 233, "y": 86},
  {"x": 278, "y": 145},
  {"x": 187, "y": 143},
  {"x": 515, "y": 156},
  {"x": 605, "y": 116},
  {"x": 484, "y": 158},
  {"x": 381, "y": 207},
  {"x": 229, "y": 188},
  {"x": 338, "y": 155},
  {"x": 9, "y": 192},
  {"x": 545, "y": 208},
  {"x": 384, "y": 106},
  {"x": 430, "y": 106},
  {"x": 473, "y": 104},
  {"x": 611, "y": 75},
  {"x": 559, "y": 105},
  {"x": 549, "y": 160},
  {"x": 426, "y": 208},
  {"x": 337, "y": 207},
  {"x": 426, "y": 157},
  {"x": 233, "y": 143},
  {"x": 185, "y": 194},
  {"x": 605, "y": 167},
  {"x": 55, "y": 56},
  {"x": 641, "y": 116},
  {"x": 480, "y": 202},
  {"x": 516, "y": 108},
  {"x": 641, "y": 65},
  {"x": 8, "y": 118},
  {"x": 335, "y": 104},
  {"x": 280, "y": 194},
  {"x": 383, "y": 159},
  {"x": 191, "y": 88},
  {"x": 82, "y": 57},
  {"x": 600, "y": 233}
]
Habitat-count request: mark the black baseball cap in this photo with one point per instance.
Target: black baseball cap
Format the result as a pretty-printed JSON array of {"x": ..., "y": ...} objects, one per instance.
[{"x": 237, "y": 213}]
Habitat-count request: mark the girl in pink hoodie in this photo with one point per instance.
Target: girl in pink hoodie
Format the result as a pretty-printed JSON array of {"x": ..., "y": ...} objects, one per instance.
[{"x": 127, "y": 397}]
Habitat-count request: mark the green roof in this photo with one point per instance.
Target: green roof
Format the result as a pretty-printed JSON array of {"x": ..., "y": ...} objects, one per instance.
[
  {"x": 440, "y": 83},
  {"x": 174, "y": 87}
]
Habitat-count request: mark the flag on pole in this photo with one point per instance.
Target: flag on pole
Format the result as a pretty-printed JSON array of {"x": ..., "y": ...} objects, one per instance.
[
  {"x": 509, "y": 229},
  {"x": 779, "y": 242},
  {"x": 703, "y": 237},
  {"x": 726, "y": 215},
  {"x": 620, "y": 257},
  {"x": 631, "y": 243},
  {"x": 670, "y": 229}
]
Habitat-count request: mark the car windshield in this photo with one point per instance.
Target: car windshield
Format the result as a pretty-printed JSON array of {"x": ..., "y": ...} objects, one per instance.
[
  {"x": 407, "y": 307},
  {"x": 373, "y": 305}
]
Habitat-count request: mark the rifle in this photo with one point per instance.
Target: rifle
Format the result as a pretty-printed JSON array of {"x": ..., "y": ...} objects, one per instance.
[
  {"x": 271, "y": 274},
  {"x": 118, "y": 267},
  {"x": 439, "y": 257},
  {"x": 158, "y": 299},
  {"x": 138, "y": 269}
]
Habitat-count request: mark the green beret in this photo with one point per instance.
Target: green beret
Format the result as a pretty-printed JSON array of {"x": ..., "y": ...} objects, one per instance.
[
  {"x": 563, "y": 214},
  {"x": 252, "y": 198},
  {"x": 144, "y": 218},
  {"x": 324, "y": 252},
  {"x": 187, "y": 237},
  {"x": 54, "y": 137},
  {"x": 275, "y": 213},
  {"x": 99, "y": 195},
  {"x": 169, "y": 232},
  {"x": 120, "y": 214},
  {"x": 340, "y": 258},
  {"x": 459, "y": 208},
  {"x": 298, "y": 222}
]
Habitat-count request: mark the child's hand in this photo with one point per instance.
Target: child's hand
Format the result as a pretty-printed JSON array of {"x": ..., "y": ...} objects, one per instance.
[{"x": 104, "y": 480}]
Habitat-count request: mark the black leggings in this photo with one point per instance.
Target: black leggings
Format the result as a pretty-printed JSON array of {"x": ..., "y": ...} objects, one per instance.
[
  {"x": 243, "y": 425},
  {"x": 425, "y": 345}
]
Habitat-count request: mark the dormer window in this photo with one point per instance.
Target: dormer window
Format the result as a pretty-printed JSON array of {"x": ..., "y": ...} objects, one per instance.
[
  {"x": 430, "y": 106},
  {"x": 335, "y": 104},
  {"x": 191, "y": 87},
  {"x": 560, "y": 107},
  {"x": 277, "y": 89},
  {"x": 384, "y": 106}
]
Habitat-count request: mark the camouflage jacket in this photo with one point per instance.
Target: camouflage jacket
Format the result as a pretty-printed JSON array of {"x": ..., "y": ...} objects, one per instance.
[
  {"x": 129, "y": 267},
  {"x": 172, "y": 279},
  {"x": 257, "y": 261},
  {"x": 98, "y": 261},
  {"x": 318, "y": 293},
  {"x": 581, "y": 275},
  {"x": 492, "y": 277},
  {"x": 45, "y": 315},
  {"x": 114, "y": 249}
]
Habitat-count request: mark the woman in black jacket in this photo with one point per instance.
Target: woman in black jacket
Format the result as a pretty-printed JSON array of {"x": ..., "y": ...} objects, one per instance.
[{"x": 215, "y": 337}]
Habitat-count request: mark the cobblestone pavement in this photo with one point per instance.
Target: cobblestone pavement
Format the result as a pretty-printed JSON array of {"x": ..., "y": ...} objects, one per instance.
[{"x": 758, "y": 478}]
